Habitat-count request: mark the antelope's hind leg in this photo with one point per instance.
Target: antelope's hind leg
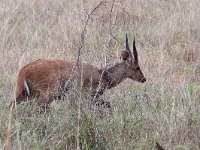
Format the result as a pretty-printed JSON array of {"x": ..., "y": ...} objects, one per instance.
[
  {"x": 45, "y": 99},
  {"x": 96, "y": 97},
  {"x": 22, "y": 97}
]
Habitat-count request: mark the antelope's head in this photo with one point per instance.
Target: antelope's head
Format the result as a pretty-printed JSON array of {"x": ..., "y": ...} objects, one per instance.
[{"x": 130, "y": 59}]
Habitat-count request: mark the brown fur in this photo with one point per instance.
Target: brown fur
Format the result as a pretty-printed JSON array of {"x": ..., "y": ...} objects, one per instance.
[{"x": 44, "y": 78}]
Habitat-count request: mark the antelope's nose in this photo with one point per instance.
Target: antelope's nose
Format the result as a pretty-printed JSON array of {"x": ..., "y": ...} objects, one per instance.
[{"x": 143, "y": 80}]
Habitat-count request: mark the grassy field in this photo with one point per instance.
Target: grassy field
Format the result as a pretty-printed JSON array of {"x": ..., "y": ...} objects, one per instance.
[{"x": 166, "y": 109}]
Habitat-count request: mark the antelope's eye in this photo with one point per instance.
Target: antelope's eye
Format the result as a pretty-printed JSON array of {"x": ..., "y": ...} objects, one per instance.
[{"x": 137, "y": 68}]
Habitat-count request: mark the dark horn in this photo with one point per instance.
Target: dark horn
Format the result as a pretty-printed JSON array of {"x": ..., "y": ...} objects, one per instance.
[
  {"x": 127, "y": 46},
  {"x": 135, "y": 54}
]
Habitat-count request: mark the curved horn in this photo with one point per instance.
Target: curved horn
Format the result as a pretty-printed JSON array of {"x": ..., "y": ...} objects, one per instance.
[{"x": 135, "y": 54}]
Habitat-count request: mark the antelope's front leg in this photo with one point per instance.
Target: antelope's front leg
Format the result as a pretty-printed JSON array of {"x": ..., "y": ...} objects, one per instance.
[
  {"x": 98, "y": 100},
  {"x": 101, "y": 102}
]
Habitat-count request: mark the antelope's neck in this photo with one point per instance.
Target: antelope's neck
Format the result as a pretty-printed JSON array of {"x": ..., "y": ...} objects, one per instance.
[{"x": 113, "y": 75}]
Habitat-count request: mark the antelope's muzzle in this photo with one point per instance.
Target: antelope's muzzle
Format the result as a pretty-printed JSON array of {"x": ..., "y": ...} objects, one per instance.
[{"x": 142, "y": 80}]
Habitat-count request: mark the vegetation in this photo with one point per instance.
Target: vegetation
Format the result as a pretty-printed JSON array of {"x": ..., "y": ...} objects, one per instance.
[{"x": 166, "y": 109}]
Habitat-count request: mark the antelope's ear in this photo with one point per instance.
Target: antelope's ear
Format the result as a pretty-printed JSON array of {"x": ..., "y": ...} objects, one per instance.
[{"x": 125, "y": 55}]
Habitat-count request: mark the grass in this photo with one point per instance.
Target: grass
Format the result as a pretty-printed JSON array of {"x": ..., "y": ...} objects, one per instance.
[{"x": 166, "y": 109}]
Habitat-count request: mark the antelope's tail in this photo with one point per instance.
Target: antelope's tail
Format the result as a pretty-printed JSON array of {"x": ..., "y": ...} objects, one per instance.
[{"x": 22, "y": 91}]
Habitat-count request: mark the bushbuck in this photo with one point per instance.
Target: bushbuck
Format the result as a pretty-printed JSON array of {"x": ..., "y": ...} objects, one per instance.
[{"x": 45, "y": 79}]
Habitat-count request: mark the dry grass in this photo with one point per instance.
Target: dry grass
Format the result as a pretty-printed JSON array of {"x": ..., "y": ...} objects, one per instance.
[{"x": 165, "y": 109}]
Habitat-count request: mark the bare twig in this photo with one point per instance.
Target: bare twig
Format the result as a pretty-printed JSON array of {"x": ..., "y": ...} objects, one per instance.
[
  {"x": 82, "y": 37},
  {"x": 111, "y": 25},
  {"x": 121, "y": 8},
  {"x": 89, "y": 17}
]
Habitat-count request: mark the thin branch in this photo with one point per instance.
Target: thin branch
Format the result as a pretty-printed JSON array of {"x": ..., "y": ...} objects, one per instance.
[
  {"x": 83, "y": 33},
  {"x": 121, "y": 8},
  {"x": 111, "y": 25}
]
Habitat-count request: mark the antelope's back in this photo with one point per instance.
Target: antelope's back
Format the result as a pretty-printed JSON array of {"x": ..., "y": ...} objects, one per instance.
[{"x": 43, "y": 74}]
